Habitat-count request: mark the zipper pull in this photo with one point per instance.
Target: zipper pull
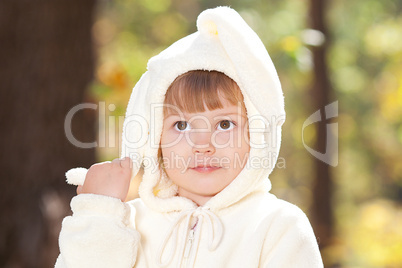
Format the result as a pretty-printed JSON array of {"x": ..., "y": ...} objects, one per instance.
[{"x": 189, "y": 243}]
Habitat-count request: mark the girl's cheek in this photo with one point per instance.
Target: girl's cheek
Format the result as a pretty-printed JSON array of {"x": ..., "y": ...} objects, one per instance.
[
  {"x": 244, "y": 140},
  {"x": 232, "y": 139},
  {"x": 224, "y": 139},
  {"x": 170, "y": 138}
]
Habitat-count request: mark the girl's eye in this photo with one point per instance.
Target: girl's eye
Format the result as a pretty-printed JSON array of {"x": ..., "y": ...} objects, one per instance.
[
  {"x": 182, "y": 126},
  {"x": 226, "y": 125}
]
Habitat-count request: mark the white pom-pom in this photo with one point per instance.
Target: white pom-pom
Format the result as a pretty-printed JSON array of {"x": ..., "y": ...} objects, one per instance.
[{"x": 76, "y": 176}]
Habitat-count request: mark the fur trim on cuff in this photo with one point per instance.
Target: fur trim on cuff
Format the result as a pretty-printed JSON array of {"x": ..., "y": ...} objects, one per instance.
[{"x": 99, "y": 205}]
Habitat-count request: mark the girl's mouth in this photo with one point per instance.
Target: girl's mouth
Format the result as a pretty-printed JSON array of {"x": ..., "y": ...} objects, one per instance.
[{"x": 205, "y": 169}]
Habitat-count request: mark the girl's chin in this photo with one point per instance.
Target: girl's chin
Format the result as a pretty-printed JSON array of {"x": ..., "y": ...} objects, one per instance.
[{"x": 199, "y": 193}]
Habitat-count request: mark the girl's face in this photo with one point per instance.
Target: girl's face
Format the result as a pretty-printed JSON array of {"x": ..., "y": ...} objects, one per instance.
[{"x": 204, "y": 152}]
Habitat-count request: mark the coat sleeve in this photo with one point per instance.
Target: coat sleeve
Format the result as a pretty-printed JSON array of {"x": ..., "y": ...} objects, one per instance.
[
  {"x": 291, "y": 242},
  {"x": 98, "y": 234}
]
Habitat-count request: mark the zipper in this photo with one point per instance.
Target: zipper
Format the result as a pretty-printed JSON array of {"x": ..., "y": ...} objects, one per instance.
[{"x": 189, "y": 243}]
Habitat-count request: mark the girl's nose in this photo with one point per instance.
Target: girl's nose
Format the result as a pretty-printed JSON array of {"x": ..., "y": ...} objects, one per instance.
[
  {"x": 202, "y": 143},
  {"x": 208, "y": 149}
]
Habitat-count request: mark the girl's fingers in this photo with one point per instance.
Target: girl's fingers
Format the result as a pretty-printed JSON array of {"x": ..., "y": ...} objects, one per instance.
[
  {"x": 79, "y": 189},
  {"x": 125, "y": 162},
  {"x": 116, "y": 162}
]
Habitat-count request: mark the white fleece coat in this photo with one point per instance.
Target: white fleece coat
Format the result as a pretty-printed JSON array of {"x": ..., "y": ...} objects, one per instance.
[{"x": 243, "y": 225}]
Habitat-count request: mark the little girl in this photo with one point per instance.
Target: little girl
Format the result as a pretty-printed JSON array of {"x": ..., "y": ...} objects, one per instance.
[{"x": 204, "y": 122}]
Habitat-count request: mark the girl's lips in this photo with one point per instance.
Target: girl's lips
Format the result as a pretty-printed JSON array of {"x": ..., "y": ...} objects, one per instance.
[{"x": 205, "y": 169}]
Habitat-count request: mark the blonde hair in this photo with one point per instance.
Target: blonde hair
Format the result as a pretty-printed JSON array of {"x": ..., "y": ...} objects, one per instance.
[{"x": 196, "y": 90}]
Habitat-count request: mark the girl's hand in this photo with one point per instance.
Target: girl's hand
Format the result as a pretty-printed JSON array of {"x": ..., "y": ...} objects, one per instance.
[{"x": 108, "y": 178}]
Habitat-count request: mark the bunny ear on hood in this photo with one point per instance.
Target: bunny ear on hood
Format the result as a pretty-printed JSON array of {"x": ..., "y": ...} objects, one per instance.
[
  {"x": 225, "y": 43},
  {"x": 253, "y": 66}
]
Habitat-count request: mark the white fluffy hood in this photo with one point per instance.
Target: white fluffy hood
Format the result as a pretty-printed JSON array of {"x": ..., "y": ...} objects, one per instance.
[{"x": 225, "y": 43}]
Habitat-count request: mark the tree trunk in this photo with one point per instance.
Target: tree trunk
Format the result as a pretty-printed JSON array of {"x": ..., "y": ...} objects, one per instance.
[
  {"x": 322, "y": 215},
  {"x": 47, "y": 63}
]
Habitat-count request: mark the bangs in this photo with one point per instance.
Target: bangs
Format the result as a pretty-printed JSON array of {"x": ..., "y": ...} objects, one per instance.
[{"x": 194, "y": 91}]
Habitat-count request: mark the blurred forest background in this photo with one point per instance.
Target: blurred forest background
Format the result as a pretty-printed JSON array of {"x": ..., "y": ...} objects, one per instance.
[{"x": 57, "y": 54}]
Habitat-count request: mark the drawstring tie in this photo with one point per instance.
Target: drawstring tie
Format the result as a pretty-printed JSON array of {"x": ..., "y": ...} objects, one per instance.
[{"x": 204, "y": 216}]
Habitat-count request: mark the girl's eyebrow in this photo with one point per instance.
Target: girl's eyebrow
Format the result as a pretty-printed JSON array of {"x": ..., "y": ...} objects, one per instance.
[
  {"x": 232, "y": 113},
  {"x": 171, "y": 115},
  {"x": 222, "y": 114}
]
